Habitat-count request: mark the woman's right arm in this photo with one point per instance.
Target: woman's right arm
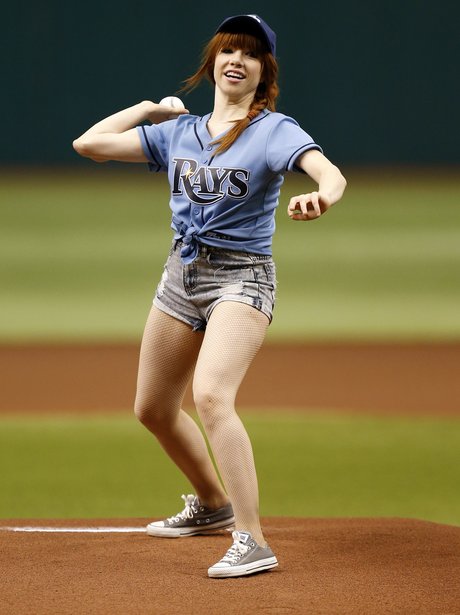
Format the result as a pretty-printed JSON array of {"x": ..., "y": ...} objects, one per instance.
[{"x": 116, "y": 138}]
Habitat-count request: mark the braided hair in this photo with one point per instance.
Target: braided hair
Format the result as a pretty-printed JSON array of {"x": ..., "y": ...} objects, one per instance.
[{"x": 267, "y": 90}]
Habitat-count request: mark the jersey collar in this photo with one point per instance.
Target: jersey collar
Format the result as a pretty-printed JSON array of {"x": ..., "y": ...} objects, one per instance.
[{"x": 203, "y": 136}]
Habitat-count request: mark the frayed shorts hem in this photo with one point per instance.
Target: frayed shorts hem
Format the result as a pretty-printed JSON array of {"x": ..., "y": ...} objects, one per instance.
[{"x": 197, "y": 325}]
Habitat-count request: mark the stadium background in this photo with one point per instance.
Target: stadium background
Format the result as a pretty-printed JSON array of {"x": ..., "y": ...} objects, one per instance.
[{"x": 377, "y": 82}]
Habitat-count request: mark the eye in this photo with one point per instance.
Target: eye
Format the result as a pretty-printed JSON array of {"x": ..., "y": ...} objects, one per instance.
[
  {"x": 226, "y": 50},
  {"x": 251, "y": 54}
]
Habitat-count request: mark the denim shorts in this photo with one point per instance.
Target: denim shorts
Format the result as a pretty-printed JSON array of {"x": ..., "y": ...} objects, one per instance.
[{"x": 191, "y": 292}]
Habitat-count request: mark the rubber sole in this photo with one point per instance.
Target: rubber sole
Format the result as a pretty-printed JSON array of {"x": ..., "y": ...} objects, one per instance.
[
  {"x": 225, "y": 572},
  {"x": 184, "y": 532}
]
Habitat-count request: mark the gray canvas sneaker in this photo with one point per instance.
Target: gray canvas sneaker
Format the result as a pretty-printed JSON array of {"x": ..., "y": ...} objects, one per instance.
[
  {"x": 244, "y": 557},
  {"x": 194, "y": 519}
]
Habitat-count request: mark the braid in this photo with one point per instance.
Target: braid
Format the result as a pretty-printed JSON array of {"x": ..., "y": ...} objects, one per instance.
[
  {"x": 259, "y": 103},
  {"x": 253, "y": 112}
]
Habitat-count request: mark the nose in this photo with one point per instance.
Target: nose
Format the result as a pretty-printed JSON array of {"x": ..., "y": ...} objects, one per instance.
[{"x": 237, "y": 57}]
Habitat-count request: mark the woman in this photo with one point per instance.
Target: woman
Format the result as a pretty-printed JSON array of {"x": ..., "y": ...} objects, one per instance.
[{"x": 215, "y": 299}]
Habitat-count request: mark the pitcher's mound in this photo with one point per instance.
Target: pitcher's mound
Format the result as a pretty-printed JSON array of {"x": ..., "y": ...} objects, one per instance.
[{"x": 327, "y": 566}]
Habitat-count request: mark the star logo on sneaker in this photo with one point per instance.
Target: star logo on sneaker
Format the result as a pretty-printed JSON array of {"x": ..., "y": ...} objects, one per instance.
[{"x": 243, "y": 537}]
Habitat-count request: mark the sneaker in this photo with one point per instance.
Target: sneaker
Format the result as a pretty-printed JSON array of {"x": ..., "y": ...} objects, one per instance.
[
  {"x": 194, "y": 519},
  {"x": 244, "y": 557}
]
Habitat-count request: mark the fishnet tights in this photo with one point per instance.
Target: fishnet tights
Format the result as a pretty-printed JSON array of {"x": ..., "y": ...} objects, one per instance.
[
  {"x": 168, "y": 355},
  {"x": 170, "y": 351}
]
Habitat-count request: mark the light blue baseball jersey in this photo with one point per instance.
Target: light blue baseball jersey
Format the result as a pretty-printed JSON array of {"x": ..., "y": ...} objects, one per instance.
[{"x": 228, "y": 200}]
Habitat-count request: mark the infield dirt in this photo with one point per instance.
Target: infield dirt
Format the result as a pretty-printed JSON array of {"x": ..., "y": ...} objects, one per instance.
[
  {"x": 399, "y": 379},
  {"x": 334, "y": 566}
]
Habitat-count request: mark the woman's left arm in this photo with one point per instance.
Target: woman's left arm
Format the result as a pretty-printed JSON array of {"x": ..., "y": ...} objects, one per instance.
[{"x": 331, "y": 186}]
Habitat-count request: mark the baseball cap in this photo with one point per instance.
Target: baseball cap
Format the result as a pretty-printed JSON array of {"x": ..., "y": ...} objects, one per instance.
[{"x": 250, "y": 24}]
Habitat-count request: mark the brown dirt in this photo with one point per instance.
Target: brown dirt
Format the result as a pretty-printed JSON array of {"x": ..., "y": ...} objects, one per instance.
[
  {"x": 334, "y": 567},
  {"x": 410, "y": 379}
]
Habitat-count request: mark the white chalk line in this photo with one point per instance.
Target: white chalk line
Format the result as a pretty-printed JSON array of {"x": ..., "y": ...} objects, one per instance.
[{"x": 73, "y": 530}]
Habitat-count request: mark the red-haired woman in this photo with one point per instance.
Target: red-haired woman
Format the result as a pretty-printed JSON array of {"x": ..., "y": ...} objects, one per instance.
[{"x": 215, "y": 299}]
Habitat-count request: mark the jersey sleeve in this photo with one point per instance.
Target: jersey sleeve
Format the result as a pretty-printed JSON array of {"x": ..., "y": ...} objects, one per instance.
[
  {"x": 155, "y": 140},
  {"x": 286, "y": 142}
]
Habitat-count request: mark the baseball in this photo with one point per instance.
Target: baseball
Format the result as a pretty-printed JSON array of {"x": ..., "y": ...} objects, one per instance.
[{"x": 172, "y": 101}]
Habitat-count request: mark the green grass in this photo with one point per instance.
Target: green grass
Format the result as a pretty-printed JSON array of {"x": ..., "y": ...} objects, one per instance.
[
  {"x": 308, "y": 465},
  {"x": 81, "y": 254}
]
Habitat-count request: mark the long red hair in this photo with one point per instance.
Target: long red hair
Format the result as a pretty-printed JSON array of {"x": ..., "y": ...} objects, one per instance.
[{"x": 267, "y": 90}]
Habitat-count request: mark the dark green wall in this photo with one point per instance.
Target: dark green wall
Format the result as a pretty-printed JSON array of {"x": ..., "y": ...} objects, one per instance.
[{"x": 373, "y": 82}]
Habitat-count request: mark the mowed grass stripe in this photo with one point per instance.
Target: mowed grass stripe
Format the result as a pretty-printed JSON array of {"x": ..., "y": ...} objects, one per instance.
[{"x": 308, "y": 465}]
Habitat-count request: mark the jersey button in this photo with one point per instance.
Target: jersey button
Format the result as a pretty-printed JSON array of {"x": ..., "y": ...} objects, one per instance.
[
  {"x": 209, "y": 148},
  {"x": 196, "y": 210}
]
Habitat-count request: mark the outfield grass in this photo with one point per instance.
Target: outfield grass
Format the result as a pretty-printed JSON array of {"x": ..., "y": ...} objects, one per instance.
[
  {"x": 81, "y": 253},
  {"x": 308, "y": 465}
]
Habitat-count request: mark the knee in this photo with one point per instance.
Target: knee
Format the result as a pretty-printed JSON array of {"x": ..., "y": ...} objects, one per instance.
[
  {"x": 152, "y": 415},
  {"x": 142, "y": 412},
  {"x": 204, "y": 398},
  {"x": 210, "y": 404}
]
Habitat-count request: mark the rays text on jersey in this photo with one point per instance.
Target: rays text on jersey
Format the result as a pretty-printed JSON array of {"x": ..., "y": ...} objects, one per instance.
[{"x": 206, "y": 185}]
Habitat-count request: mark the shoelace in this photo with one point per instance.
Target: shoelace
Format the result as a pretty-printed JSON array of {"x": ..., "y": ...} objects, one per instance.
[
  {"x": 188, "y": 511},
  {"x": 236, "y": 551}
]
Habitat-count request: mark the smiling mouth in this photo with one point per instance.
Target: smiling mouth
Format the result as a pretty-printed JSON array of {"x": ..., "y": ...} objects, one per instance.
[{"x": 234, "y": 75}]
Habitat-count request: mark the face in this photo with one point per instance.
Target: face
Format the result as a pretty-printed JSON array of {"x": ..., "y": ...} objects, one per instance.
[{"x": 237, "y": 72}]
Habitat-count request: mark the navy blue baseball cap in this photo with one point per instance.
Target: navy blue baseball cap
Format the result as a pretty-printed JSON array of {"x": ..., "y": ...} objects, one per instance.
[{"x": 250, "y": 24}]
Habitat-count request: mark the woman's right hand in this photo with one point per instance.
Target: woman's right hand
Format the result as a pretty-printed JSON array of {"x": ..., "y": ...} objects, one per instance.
[{"x": 160, "y": 113}]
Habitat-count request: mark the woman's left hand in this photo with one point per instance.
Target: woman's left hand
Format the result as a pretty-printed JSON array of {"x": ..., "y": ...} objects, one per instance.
[{"x": 305, "y": 207}]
